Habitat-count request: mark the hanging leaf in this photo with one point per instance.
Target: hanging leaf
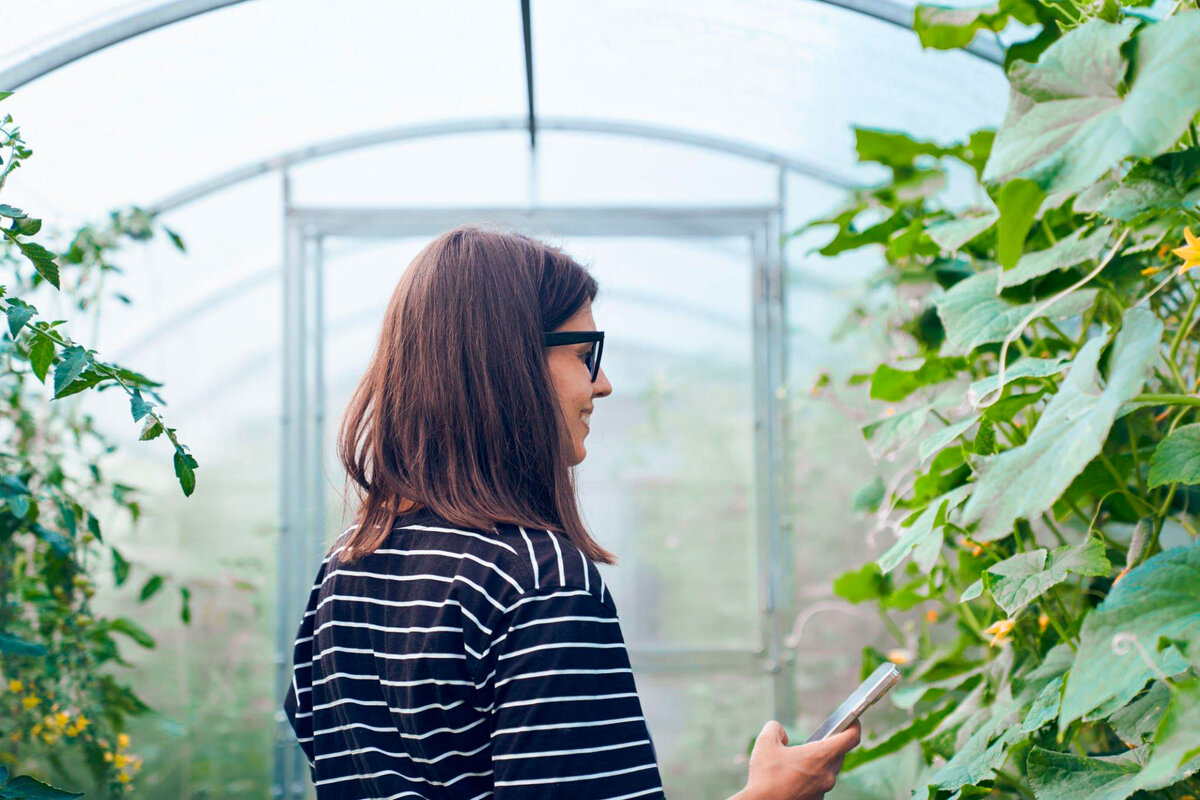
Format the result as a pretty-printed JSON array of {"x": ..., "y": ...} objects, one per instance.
[
  {"x": 24, "y": 787},
  {"x": 41, "y": 356},
  {"x": 138, "y": 406},
  {"x": 150, "y": 587},
  {"x": 924, "y": 535},
  {"x": 185, "y": 466},
  {"x": 1026, "y": 480},
  {"x": 1019, "y": 202},
  {"x": 42, "y": 260},
  {"x": 120, "y": 567},
  {"x": 1066, "y": 776},
  {"x": 1074, "y": 113},
  {"x": 134, "y": 631},
  {"x": 17, "y": 646},
  {"x": 185, "y": 610},
  {"x": 1177, "y": 458}
]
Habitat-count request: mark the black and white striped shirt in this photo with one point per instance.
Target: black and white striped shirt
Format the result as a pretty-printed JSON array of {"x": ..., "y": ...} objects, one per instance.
[{"x": 466, "y": 663}]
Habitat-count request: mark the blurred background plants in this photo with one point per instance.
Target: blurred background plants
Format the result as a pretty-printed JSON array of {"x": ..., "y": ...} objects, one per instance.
[
  {"x": 63, "y": 710},
  {"x": 1039, "y": 448}
]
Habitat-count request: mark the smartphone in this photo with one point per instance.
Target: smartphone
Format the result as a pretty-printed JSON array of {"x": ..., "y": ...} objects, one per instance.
[{"x": 860, "y": 700}]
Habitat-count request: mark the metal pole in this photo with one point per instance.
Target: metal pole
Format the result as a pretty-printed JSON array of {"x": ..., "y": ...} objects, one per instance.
[{"x": 289, "y": 769}]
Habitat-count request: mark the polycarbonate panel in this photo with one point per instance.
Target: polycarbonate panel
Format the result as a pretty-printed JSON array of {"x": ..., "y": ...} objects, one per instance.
[
  {"x": 787, "y": 75},
  {"x": 154, "y": 114}
]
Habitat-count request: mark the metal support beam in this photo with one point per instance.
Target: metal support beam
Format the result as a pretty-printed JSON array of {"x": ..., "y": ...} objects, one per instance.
[{"x": 527, "y": 28}]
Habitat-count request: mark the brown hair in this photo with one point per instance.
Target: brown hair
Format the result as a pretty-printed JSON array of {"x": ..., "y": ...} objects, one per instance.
[{"x": 456, "y": 411}]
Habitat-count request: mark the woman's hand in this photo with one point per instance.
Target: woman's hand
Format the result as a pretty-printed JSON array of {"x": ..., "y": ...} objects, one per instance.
[{"x": 804, "y": 772}]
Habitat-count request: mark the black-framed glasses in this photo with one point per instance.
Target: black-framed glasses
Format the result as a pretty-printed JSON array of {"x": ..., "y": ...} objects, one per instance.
[{"x": 578, "y": 337}]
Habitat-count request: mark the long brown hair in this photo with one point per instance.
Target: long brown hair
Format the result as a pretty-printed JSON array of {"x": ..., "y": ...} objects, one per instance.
[{"x": 456, "y": 411}]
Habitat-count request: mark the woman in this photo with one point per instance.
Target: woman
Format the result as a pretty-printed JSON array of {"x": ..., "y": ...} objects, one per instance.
[{"x": 459, "y": 641}]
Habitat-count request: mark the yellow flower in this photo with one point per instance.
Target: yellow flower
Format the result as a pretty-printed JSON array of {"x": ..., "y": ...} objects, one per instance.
[
  {"x": 15, "y": 685},
  {"x": 120, "y": 760},
  {"x": 931, "y": 615},
  {"x": 30, "y": 701},
  {"x": 1189, "y": 253},
  {"x": 62, "y": 718},
  {"x": 72, "y": 731},
  {"x": 1148, "y": 271},
  {"x": 1043, "y": 621},
  {"x": 1000, "y": 631},
  {"x": 82, "y": 721},
  {"x": 898, "y": 657},
  {"x": 124, "y": 778},
  {"x": 108, "y": 756},
  {"x": 122, "y": 740},
  {"x": 890, "y": 411},
  {"x": 1163, "y": 250}
]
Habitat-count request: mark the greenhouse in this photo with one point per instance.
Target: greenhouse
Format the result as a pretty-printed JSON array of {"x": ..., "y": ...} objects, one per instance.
[{"x": 900, "y": 326}]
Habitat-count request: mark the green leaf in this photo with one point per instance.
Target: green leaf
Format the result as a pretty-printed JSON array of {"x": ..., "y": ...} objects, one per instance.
[
  {"x": 151, "y": 428},
  {"x": 18, "y": 312},
  {"x": 185, "y": 466},
  {"x": 120, "y": 567},
  {"x": 150, "y": 587},
  {"x": 11, "y": 212},
  {"x": 865, "y": 583},
  {"x": 42, "y": 260},
  {"x": 924, "y": 537},
  {"x": 945, "y": 436},
  {"x": 1066, "y": 253},
  {"x": 1170, "y": 183},
  {"x": 1066, "y": 776},
  {"x": 1159, "y": 599},
  {"x": 947, "y": 28},
  {"x": 24, "y": 787},
  {"x": 1072, "y": 115},
  {"x": 138, "y": 406},
  {"x": 185, "y": 610},
  {"x": 889, "y": 383},
  {"x": 134, "y": 631},
  {"x": 1025, "y": 368},
  {"x": 1025, "y": 577},
  {"x": 19, "y": 647},
  {"x": 868, "y": 496},
  {"x": 892, "y": 148},
  {"x": 1026, "y": 480},
  {"x": 74, "y": 361},
  {"x": 175, "y": 238},
  {"x": 41, "y": 355},
  {"x": 1177, "y": 458},
  {"x": 60, "y": 544},
  {"x": 1177, "y": 738},
  {"x": 974, "y": 315},
  {"x": 951, "y": 235},
  {"x": 1139, "y": 719},
  {"x": 1019, "y": 203}
]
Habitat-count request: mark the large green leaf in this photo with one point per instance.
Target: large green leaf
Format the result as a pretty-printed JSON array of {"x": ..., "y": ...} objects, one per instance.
[
  {"x": 947, "y": 28},
  {"x": 1025, "y": 368},
  {"x": 1081, "y": 108},
  {"x": 1017, "y": 581},
  {"x": 953, "y": 234},
  {"x": 1177, "y": 458},
  {"x": 1139, "y": 719},
  {"x": 24, "y": 787},
  {"x": 1159, "y": 599},
  {"x": 1066, "y": 776},
  {"x": 924, "y": 536},
  {"x": 74, "y": 361},
  {"x": 1169, "y": 183},
  {"x": 973, "y": 314},
  {"x": 1067, "y": 253},
  {"x": 1026, "y": 480}
]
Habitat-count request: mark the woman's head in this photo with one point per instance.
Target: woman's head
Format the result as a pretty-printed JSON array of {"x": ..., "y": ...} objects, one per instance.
[{"x": 462, "y": 408}]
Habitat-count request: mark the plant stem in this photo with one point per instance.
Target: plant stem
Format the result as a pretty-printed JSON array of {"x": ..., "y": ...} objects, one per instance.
[
  {"x": 1168, "y": 399},
  {"x": 1137, "y": 461},
  {"x": 1184, "y": 326}
]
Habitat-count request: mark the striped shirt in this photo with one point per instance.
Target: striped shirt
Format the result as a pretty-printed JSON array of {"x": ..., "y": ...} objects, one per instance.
[{"x": 466, "y": 663}]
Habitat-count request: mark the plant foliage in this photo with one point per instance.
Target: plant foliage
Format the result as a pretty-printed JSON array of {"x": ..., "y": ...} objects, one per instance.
[
  {"x": 60, "y": 708},
  {"x": 1043, "y": 423}
]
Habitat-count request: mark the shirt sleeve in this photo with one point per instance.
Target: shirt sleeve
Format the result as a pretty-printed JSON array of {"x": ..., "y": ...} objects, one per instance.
[
  {"x": 566, "y": 718},
  {"x": 297, "y": 704}
]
